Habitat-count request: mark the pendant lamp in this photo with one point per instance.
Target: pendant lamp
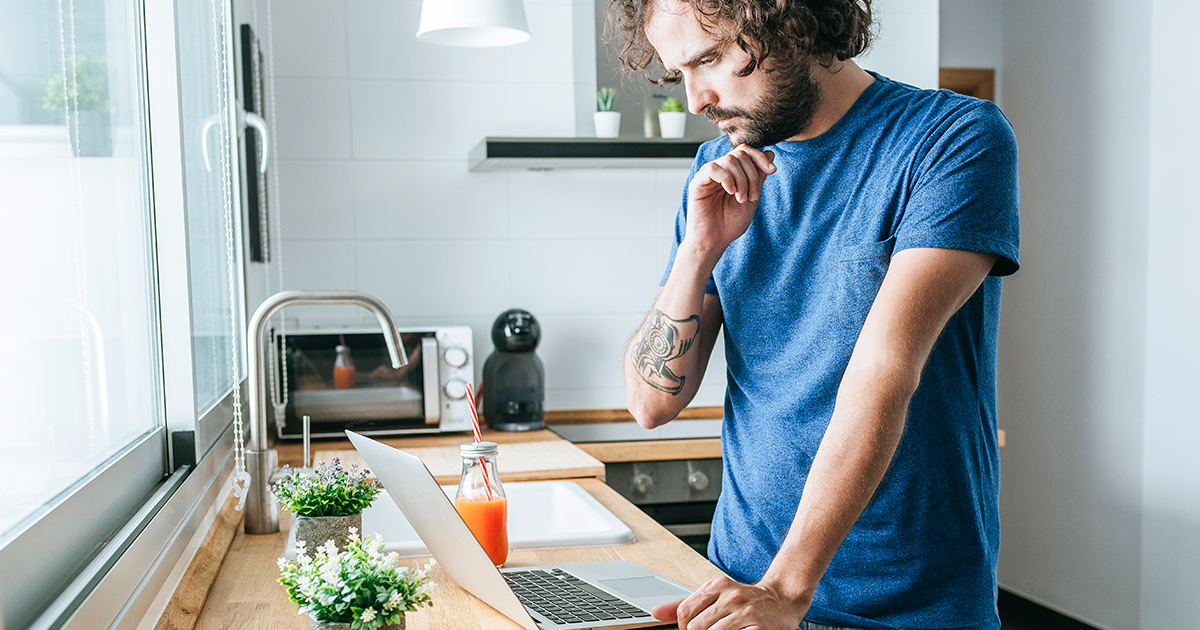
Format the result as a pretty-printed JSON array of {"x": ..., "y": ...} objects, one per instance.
[{"x": 473, "y": 23}]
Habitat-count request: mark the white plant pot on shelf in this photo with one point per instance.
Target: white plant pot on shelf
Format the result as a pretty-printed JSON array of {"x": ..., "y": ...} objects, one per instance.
[
  {"x": 672, "y": 124},
  {"x": 608, "y": 124}
]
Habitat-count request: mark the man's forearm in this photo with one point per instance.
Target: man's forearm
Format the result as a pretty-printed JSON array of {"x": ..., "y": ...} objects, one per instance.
[
  {"x": 858, "y": 446},
  {"x": 663, "y": 358}
]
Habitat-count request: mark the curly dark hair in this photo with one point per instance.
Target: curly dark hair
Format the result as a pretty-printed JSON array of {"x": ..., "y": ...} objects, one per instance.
[{"x": 788, "y": 32}]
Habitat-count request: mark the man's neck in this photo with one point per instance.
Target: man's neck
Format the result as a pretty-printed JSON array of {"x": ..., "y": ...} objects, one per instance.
[{"x": 841, "y": 84}]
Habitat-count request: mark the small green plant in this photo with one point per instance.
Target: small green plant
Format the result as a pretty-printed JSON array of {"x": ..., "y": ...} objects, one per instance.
[
  {"x": 606, "y": 99},
  {"x": 672, "y": 105},
  {"x": 360, "y": 585},
  {"x": 329, "y": 491},
  {"x": 84, "y": 86}
]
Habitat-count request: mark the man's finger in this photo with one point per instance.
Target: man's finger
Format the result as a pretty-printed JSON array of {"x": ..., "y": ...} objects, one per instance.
[
  {"x": 738, "y": 183},
  {"x": 668, "y": 611},
  {"x": 704, "y": 597},
  {"x": 764, "y": 160}
]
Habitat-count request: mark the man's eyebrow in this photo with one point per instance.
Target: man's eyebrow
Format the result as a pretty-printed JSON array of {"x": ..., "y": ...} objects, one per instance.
[{"x": 703, "y": 54}]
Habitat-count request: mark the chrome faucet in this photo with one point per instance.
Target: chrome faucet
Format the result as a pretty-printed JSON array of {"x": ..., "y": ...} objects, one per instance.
[{"x": 262, "y": 510}]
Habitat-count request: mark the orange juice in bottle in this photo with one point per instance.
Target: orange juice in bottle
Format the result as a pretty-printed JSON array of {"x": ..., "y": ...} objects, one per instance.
[
  {"x": 343, "y": 369},
  {"x": 480, "y": 499}
]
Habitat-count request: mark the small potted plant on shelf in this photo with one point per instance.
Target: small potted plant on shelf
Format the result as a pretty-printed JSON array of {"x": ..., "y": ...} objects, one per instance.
[
  {"x": 672, "y": 118},
  {"x": 607, "y": 121},
  {"x": 327, "y": 502},
  {"x": 358, "y": 588},
  {"x": 81, "y": 94}
]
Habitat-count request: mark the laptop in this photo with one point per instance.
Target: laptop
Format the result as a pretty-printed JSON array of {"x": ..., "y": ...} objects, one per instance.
[{"x": 609, "y": 595}]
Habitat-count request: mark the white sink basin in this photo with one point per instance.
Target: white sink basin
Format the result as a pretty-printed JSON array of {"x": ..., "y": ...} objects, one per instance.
[{"x": 541, "y": 515}]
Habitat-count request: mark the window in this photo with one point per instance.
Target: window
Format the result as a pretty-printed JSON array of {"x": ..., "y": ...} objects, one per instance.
[{"x": 117, "y": 328}]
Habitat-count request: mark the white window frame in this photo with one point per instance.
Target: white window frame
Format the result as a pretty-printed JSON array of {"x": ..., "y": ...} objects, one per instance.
[{"x": 153, "y": 504}]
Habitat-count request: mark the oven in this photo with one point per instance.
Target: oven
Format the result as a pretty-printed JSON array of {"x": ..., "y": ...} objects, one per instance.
[
  {"x": 342, "y": 379},
  {"x": 681, "y": 494}
]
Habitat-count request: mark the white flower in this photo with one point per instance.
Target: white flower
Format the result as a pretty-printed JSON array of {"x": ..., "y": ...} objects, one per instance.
[
  {"x": 368, "y": 615},
  {"x": 395, "y": 600}
]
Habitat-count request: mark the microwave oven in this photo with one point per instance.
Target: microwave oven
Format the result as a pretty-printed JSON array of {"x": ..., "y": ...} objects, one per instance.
[{"x": 428, "y": 395}]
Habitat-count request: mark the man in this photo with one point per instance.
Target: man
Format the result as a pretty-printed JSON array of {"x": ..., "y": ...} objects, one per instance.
[{"x": 854, "y": 266}]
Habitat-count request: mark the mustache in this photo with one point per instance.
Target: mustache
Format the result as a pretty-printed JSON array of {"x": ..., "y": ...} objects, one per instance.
[{"x": 714, "y": 113}]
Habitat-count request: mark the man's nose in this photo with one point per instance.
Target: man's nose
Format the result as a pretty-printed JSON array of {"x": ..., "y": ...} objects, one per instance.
[{"x": 698, "y": 96}]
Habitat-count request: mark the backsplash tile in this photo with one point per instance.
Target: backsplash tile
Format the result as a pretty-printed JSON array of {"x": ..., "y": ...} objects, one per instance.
[
  {"x": 313, "y": 118},
  {"x": 310, "y": 38},
  {"x": 409, "y": 199},
  {"x": 421, "y": 120},
  {"x": 318, "y": 195},
  {"x": 376, "y": 194},
  {"x": 584, "y": 276},
  {"x": 587, "y": 203},
  {"x": 435, "y": 278}
]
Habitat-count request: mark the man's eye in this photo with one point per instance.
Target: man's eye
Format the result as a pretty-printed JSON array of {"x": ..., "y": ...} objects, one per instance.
[{"x": 707, "y": 61}]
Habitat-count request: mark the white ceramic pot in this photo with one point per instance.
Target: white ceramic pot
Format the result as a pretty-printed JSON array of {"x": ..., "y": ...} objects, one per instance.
[
  {"x": 608, "y": 124},
  {"x": 672, "y": 124}
]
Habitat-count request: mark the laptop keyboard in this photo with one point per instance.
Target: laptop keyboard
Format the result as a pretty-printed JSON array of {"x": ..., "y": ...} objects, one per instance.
[{"x": 563, "y": 598}]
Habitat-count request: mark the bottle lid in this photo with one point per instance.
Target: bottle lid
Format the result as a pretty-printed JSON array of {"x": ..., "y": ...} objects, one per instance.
[
  {"x": 479, "y": 449},
  {"x": 340, "y": 348}
]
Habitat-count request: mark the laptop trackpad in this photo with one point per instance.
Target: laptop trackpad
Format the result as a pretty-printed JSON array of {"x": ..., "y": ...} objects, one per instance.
[{"x": 640, "y": 587}]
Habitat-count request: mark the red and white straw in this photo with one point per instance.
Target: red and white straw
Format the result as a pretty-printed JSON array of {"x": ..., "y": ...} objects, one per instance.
[{"x": 487, "y": 484}]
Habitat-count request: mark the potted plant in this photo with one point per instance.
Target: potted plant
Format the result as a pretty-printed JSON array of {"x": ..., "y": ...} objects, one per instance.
[
  {"x": 672, "y": 118},
  {"x": 607, "y": 121},
  {"x": 327, "y": 502},
  {"x": 357, "y": 588},
  {"x": 82, "y": 94}
]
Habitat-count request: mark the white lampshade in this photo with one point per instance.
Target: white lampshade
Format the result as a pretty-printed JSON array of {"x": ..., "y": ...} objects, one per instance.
[{"x": 473, "y": 23}]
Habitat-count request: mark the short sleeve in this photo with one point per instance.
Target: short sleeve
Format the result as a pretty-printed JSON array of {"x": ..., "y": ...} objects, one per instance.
[
  {"x": 966, "y": 193},
  {"x": 702, "y": 157}
]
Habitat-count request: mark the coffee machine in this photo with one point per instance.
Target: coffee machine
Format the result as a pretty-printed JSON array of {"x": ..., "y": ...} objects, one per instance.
[{"x": 514, "y": 382}]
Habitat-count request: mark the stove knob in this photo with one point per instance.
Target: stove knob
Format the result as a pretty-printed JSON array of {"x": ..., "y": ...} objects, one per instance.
[
  {"x": 456, "y": 356},
  {"x": 643, "y": 483},
  {"x": 698, "y": 481},
  {"x": 455, "y": 389}
]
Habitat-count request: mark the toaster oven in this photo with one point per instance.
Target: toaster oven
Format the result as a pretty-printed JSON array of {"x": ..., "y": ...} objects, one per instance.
[{"x": 360, "y": 391}]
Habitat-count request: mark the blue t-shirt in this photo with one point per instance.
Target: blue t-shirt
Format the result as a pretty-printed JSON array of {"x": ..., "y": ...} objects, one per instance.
[{"x": 903, "y": 168}]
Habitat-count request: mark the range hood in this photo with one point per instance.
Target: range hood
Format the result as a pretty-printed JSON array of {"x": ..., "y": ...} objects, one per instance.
[{"x": 551, "y": 153}]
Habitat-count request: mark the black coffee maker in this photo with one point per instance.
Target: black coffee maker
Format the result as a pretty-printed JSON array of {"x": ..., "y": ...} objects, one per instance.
[{"x": 514, "y": 382}]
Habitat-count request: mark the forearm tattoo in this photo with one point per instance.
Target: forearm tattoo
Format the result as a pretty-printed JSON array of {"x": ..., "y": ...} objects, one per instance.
[{"x": 663, "y": 339}]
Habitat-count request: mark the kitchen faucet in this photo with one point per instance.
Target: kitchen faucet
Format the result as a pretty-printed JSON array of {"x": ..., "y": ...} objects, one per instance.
[{"x": 262, "y": 510}]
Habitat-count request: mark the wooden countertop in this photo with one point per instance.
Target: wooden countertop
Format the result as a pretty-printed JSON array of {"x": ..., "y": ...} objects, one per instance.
[{"x": 247, "y": 595}]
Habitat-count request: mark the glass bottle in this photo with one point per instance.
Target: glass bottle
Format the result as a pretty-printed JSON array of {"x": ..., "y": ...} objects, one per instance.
[
  {"x": 480, "y": 499},
  {"x": 343, "y": 369}
]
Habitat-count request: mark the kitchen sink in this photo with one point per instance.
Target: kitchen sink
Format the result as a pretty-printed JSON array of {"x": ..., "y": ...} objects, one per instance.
[{"x": 541, "y": 515}]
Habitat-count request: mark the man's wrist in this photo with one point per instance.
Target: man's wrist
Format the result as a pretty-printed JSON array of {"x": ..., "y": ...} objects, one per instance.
[
  {"x": 703, "y": 256},
  {"x": 791, "y": 586}
]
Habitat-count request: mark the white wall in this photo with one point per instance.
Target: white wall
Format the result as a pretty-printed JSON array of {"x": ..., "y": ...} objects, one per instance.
[
  {"x": 1101, "y": 495},
  {"x": 906, "y": 42},
  {"x": 1073, "y": 328},
  {"x": 1170, "y": 562},
  {"x": 971, "y": 36},
  {"x": 375, "y": 128}
]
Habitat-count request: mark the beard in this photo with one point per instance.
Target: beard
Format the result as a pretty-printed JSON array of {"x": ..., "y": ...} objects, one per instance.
[{"x": 785, "y": 110}]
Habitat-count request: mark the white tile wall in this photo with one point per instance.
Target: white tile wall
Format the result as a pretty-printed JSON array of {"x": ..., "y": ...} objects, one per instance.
[
  {"x": 374, "y": 130},
  {"x": 310, "y": 38},
  {"x": 313, "y": 118},
  {"x": 409, "y": 199},
  {"x": 424, "y": 120},
  {"x": 318, "y": 195}
]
